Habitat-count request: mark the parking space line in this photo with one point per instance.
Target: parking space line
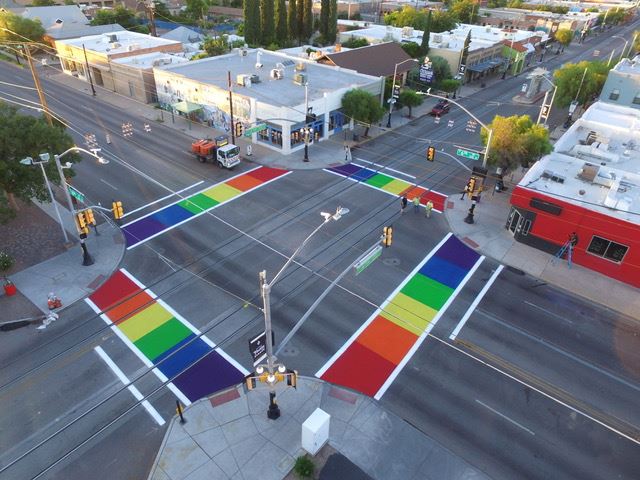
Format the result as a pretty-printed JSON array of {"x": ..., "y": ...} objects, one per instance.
[
  {"x": 475, "y": 303},
  {"x": 502, "y": 415},
  {"x": 136, "y": 393}
]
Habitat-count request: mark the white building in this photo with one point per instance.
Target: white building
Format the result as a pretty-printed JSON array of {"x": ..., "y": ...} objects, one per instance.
[{"x": 268, "y": 88}]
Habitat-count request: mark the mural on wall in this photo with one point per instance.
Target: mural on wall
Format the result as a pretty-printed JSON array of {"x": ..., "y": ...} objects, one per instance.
[{"x": 214, "y": 102}]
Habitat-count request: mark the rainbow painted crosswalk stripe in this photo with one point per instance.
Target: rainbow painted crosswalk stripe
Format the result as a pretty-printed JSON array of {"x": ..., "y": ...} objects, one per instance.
[
  {"x": 389, "y": 184},
  {"x": 376, "y": 353},
  {"x": 163, "y": 340},
  {"x": 158, "y": 222}
]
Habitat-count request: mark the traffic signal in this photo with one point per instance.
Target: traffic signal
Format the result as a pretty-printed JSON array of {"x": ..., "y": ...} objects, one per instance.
[
  {"x": 88, "y": 217},
  {"x": 118, "y": 211},
  {"x": 250, "y": 381},
  {"x": 471, "y": 186},
  {"x": 239, "y": 129},
  {"x": 387, "y": 236},
  {"x": 431, "y": 154},
  {"x": 81, "y": 223},
  {"x": 292, "y": 378}
]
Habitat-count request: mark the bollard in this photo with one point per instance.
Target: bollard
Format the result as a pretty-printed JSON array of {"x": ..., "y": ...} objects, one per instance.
[{"x": 179, "y": 412}]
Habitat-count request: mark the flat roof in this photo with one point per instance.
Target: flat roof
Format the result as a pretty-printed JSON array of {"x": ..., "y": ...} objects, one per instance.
[
  {"x": 125, "y": 42},
  {"x": 628, "y": 66},
  {"x": 150, "y": 60},
  {"x": 321, "y": 78},
  {"x": 595, "y": 164}
]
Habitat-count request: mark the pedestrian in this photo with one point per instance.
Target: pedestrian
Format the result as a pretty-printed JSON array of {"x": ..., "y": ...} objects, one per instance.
[
  {"x": 403, "y": 203},
  {"x": 573, "y": 239},
  {"x": 427, "y": 208},
  {"x": 416, "y": 204}
]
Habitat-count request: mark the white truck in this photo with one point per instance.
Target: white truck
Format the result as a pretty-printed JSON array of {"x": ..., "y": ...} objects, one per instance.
[{"x": 218, "y": 150}]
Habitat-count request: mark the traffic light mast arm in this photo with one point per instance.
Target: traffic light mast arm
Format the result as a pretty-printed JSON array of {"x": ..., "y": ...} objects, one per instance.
[{"x": 487, "y": 148}]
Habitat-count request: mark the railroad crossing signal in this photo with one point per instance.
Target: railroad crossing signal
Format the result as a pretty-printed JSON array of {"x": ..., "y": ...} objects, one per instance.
[
  {"x": 387, "y": 236},
  {"x": 431, "y": 153}
]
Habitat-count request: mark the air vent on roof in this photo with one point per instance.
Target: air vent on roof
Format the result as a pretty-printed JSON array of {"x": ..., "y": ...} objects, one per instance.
[
  {"x": 300, "y": 79},
  {"x": 113, "y": 38},
  {"x": 288, "y": 63},
  {"x": 301, "y": 67},
  {"x": 277, "y": 73},
  {"x": 255, "y": 78}
]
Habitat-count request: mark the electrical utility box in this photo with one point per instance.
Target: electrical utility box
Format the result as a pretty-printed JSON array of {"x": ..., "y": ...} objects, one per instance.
[{"x": 315, "y": 431}]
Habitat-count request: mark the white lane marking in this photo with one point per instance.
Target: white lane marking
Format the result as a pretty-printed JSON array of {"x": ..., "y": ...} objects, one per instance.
[
  {"x": 107, "y": 183},
  {"x": 201, "y": 213},
  {"x": 551, "y": 314},
  {"x": 502, "y": 415},
  {"x": 161, "y": 376},
  {"x": 475, "y": 303},
  {"x": 385, "y": 167},
  {"x": 136, "y": 393},
  {"x": 425, "y": 334},
  {"x": 355, "y": 335},
  {"x": 556, "y": 349},
  {"x": 163, "y": 198}
]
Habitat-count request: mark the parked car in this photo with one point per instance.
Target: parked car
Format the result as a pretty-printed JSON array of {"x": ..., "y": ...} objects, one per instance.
[{"x": 442, "y": 107}]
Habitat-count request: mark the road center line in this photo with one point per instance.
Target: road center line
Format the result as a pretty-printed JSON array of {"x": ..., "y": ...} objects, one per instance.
[
  {"x": 123, "y": 378},
  {"x": 475, "y": 303},
  {"x": 386, "y": 168},
  {"x": 502, "y": 415},
  {"x": 163, "y": 198},
  {"x": 107, "y": 183}
]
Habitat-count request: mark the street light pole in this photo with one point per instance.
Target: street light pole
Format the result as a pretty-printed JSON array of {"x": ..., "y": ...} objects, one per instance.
[
  {"x": 265, "y": 290},
  {"x": 626, "y": 42},
  {"x": 392, "y": 100},
  {"x": 544, "y": 102}
]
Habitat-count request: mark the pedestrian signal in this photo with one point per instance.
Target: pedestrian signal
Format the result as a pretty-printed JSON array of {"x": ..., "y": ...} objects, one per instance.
[
  {"x": 118, "y": 211},
  {"x": 387, "y": 236},
  {"x": 431, "y": 154}
]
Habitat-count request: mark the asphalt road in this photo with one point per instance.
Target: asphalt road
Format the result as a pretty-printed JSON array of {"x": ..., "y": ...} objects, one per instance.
[{"x": 546, "y": 346}]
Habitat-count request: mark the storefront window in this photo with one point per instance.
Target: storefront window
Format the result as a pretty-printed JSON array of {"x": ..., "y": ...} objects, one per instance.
[
  {"x": 271, "y": 134},
  {"x": 336, "y": 121},
  {"x": 607, "y": 249}
]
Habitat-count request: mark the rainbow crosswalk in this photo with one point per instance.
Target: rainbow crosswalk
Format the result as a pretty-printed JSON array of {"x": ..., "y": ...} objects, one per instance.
[
  {"x": 164, "y": 340},
  {"x": 391, "y": 185},
  {"x": 376, "y": 353},
  {"x": 158, "y": 222}
]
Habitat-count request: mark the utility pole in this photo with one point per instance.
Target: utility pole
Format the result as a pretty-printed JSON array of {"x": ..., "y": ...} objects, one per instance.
[
  {"x": 36, "y": 82},
  {"x": 86, "y": 62},
  {"x": 150, "y": 10},
  {"x": 233, "y": 125}
]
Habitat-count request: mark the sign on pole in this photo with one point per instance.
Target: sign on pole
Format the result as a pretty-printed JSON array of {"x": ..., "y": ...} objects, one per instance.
[
  {"x": 258, "y": 128},
  {"x": 75, "y": 193},
  {"x": 462, "y": 69},
  {"x": 368, "y": 260},
  {"x": 467, "y": 154},
  {"x": 426, "y": 74},
  {"x": 258, "y": 348}
]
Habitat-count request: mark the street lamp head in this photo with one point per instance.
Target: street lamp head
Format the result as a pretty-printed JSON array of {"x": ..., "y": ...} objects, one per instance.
[
  {"x": 44, "y": 156},
  {"x": 27, "y": 161},
  {"x": 67, "y": 165}
]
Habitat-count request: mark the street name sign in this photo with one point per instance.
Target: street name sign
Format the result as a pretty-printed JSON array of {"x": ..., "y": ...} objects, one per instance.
[
  {"x": 75, "y": 193},
  {"x": 467, "y": 154},
  {"x": 258, "y": 128},
  {"x": 368, "y": 260}
]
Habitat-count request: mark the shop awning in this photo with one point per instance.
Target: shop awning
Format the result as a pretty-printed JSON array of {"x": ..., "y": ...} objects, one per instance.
[
  {"x": 484, "y": 66},
  {"x": 187, "y": 107}
]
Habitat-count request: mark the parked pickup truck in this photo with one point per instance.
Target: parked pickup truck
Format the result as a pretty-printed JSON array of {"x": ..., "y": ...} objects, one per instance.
[{"x": 218, "y": 150}]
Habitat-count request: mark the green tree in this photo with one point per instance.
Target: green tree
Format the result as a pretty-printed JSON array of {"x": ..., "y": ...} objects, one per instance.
[
  {"x": 569, "y": 81},
  {"x": 196, "y": 9},
  {"x": 307, "y": 20},
  {"x": 332, "y": 30},
  {"x": 214, "y": 46},
  {"x": 292, "y": 20},
  {"x": 407, "y": 17},
  {"x": 251, "y": 10},
  {"x": 449, "y": 85},
  {"x": 32, "y": 29},
  {"x": 121, "y": 15},
  {"x": 353, "y": 42},
  {"x": 27, "y": 136},
  {"x": 424, "y": 45},
  {"x": 411, "y": 48},
  {"x": 362, "y": 106},
  {"x": 300, "y": 18},
  {"x": 635, "y": 48},
  {"x": 465, "y": 11},
  {"x": 267, "y": 21},
  {"x": 496, "y": 3},
  {"x": 564, "y": 37},
  {"x": 324, "y": 19},
  {"x": 516, "y": 141},
  {"x": 43, "y": 3},
  {"x": 409, "y": 98},
  {"x": 442, "y": 21},
  {"x": 282, "y": 34},
  {"x": 162, "y": 12}
]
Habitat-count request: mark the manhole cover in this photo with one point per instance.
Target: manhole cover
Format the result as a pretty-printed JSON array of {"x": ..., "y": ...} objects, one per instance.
[
  {"x": 391, "y": 262},
  {"x": 290, "y": 351}
]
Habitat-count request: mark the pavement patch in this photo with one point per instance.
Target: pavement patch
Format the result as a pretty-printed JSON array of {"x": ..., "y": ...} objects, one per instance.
[
  {"x": 390, "y": 184},
  {"x": 374, "y": 355},
  {"x": 161, "y": 338},
  {"x": 183, "y": 210}
]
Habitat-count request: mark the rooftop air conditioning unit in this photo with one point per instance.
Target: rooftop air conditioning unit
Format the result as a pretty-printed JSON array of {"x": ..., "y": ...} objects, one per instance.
[
  {"x": 255, "y": 78},
  {"x": 407, "y": 32},
  {"x": 243, "y": 80},
  {"x": 113, "y": 38},
  {"x": 301, "y": 67},
  {"x": 114, "y": 45},
  {"x": 300, "y": 79}
]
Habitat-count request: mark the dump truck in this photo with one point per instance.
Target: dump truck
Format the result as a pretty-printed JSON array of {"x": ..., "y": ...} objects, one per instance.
[{"x": 218, "y": 150}]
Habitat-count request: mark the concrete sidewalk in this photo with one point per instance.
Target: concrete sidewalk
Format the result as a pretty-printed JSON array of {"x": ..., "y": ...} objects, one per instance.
[{"x": 228, "y": 436}]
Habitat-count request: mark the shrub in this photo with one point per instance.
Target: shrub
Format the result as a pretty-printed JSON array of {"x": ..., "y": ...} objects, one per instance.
[{"x": 304, "y": 467}]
